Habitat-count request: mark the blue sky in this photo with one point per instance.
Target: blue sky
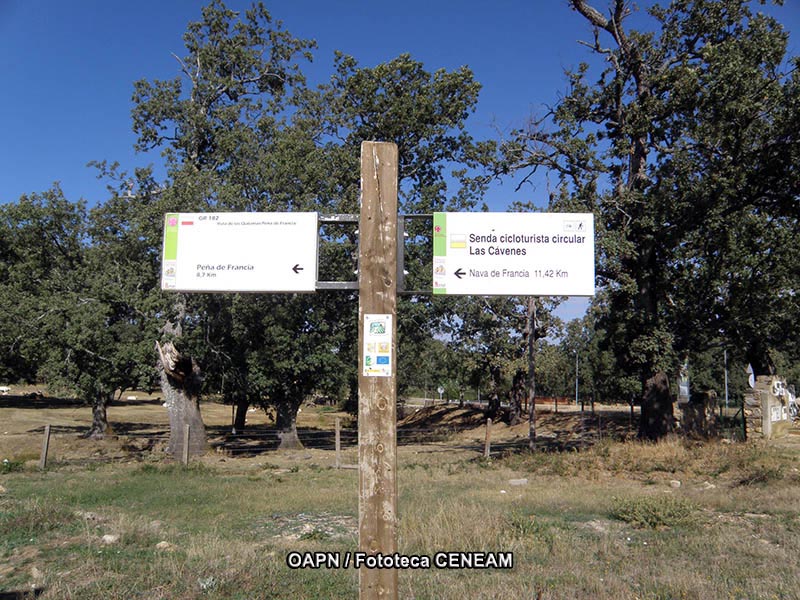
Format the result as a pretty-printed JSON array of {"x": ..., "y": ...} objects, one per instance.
[{"x": 67, "y": 69}]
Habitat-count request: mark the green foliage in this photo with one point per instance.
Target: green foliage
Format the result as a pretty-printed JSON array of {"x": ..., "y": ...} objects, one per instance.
[
  {"x": 42, "y": 240},
  {"x": 238, "y": 72},
  {"x": 423, "y": 113},
  {"x": 489, "y": 339},
  {"x": 73, "y": 300},
  {"x": 655, "y": 511},
  {"x": 522, "y": 525},
  {"x": 238, "y": 146},
  {"x": 315, "y": 535},
  {"x": 240, "y": 132},
  {"x": 694, "y": 250},
  {"x": 10, "y": 466}
]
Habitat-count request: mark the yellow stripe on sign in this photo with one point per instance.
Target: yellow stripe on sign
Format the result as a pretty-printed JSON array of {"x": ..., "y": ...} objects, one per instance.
[{"x": 458, "y": 241}]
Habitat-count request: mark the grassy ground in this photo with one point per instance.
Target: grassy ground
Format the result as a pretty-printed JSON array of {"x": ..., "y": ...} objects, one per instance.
[{"x": 613, "y": 521}]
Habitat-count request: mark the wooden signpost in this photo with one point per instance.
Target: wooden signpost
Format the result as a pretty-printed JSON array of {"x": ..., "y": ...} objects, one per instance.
[
  {"x": 235, "y": 252},
  {"x": 377, "y": 377},
  {"x": 486, "y": 253}
]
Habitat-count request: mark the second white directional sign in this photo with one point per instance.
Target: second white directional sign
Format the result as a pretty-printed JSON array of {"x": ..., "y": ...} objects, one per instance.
[
  {"x": 513, "y": 254},
  {"x": 240, "y": 252}
]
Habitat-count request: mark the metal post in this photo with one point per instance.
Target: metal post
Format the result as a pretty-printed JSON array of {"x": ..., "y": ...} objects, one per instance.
[{"x": 377, "y": 373}]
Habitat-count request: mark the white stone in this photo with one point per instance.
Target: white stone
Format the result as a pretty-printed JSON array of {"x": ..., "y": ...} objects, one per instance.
[
  {"x": 109, "y": 539},
  {"x": 165, "y": 546}
]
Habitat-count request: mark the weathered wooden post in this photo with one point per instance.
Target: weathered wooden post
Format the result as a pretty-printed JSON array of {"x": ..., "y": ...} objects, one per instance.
[
  {"x": 487, "y": 445},
  {"x": 377, "y": 376},
  {"x": 338, "y": 443},
  {"x": 45, "y": 447}
]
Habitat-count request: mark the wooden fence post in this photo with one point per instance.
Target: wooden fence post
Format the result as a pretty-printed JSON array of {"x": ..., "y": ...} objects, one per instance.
[
  {"x": 45, "y": 447},
  {"x": 338, "y": 442},
  {"x": 487, "y": 446}
]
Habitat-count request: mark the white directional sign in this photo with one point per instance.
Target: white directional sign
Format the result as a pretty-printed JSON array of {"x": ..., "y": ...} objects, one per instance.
[
  {"x": 240, "y": 252},
  {"x": 513, "y": 254}
]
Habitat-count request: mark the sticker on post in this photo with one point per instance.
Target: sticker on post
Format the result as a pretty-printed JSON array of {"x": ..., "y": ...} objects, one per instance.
[{"x": 377, "y": 346}]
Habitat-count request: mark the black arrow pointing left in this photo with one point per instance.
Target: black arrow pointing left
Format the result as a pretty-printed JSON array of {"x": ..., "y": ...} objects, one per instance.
[
  {"x": 297, "y": 268},
  {"x": 459, "y": 273}
]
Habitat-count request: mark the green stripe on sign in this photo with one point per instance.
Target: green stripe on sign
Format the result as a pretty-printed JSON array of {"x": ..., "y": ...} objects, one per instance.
[
  {"x": 171, "y": 221},
  {"x": 440, "y": 234},
  {"x": 439, "y": 249}
]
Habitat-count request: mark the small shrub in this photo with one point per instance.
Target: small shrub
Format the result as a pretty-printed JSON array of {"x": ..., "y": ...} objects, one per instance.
[
  {"x": 761, "y": 475},
  {"x": 531, "y": 529},
  {"x": 521, "y": 525},
  {"x": 315, "y": 535},
  {"x": 654, "y": 511},
  {"x": 10, "y": 466}
]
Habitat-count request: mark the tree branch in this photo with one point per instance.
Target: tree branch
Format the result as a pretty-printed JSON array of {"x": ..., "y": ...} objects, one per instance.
[{"x": 594, "y": 16}]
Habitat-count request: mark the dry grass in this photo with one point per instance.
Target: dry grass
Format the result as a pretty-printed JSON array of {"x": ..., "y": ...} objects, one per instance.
[{"x": 615, "y": 521}]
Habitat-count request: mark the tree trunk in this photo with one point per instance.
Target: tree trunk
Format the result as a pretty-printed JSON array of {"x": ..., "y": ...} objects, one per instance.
[
  {"x": 286, "y": 422},
  {"x": 494, "y": 395},
  {"x": 99, "y": 426},
  {"x": 240, "y": 420},
  {"x": 494, "y": 405},
  {"x": 657, "y": 418},
  {"x": 517, "y": 394},
  {"x": 180, "y": 386}
]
